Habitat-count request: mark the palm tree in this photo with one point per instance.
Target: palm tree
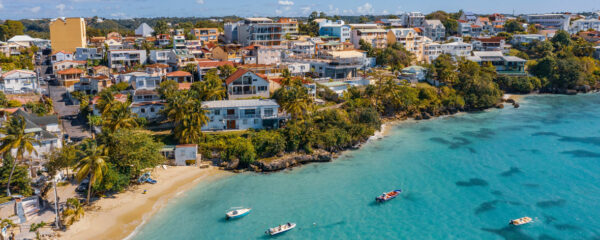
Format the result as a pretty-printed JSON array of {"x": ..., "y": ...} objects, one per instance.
[
  {"x": 106, "y": 101},
  {"x": 188, "y": 129},
  {"x": 92, "y": 164},
  {"x": 120, "y": 117},
  {"x": 73, "y": 212},
  {"x": 209, "y": 89},
  {"x": 295, "y": 101},
  {"x": 16, "y": 138}
]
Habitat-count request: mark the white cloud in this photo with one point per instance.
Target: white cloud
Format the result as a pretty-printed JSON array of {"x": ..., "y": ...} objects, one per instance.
[
  {"x": 385, "y": 12},
  {"x": 1, "y": 6},
  {"x": 94, "y": 10},
  {"x": 305, "y": 10},
  {"x": 35, "y": 9},
  {"x": 200, "y": 1},
  {"x": 278, "y": 12},
  {"x": 285, "y": 2},
  {"x": 366, "y": 8},
  {"x": 61, "y": 7},
  {"x": 348, "y": 11}
]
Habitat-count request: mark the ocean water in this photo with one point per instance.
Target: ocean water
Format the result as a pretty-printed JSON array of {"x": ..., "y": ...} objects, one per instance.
[{"x": 463, "y": 177}]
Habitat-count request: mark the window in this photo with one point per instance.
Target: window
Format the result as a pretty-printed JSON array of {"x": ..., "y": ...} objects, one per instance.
[
  {"x": 262, "y": 88},
  {"x": 245, "y": 121},
  {"x": 256, "y": 121},
  {"x": 217, "y": 112},
  {"x": 249, "y": 111},
  {"x": 143, "y": 110},
  {"x": 152, "y": 109},
  {"x": 268, "y": 112}
]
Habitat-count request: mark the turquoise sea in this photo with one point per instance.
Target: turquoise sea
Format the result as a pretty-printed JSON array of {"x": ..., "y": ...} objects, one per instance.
[{"x": 463, "y": 177}]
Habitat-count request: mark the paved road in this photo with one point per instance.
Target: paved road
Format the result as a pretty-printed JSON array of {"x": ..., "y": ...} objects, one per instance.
[{"x": 73, "y": 126}]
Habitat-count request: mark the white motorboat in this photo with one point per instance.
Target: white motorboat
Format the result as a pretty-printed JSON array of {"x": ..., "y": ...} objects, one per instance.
[
  {"x": 281, "y": 229},
  {"x": 520, "y": 221},
  {"x": 238, "y": 213}
]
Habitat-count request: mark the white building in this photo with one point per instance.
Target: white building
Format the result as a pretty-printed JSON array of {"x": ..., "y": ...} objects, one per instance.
[
  {"x": 559, "y": 21},
  {"x": 454, "y": 49},
  {"x": 84, "y": 54},
  {"x": 246, "y": 84},
  {"x": 144, "y": 30},
  {"x": 118, "y": 59},
  {"x": 19, "y": 81},
  {"x": 297, "y": 69},
  {"x": 584, "y": 25},
  {"x": 413, "y": 19},
  {"x": 336, "y": 29},
  {"x": 46, "y": 129},
  {"x": 61, "y": 56},
  {"x": 186, "y": 154},
  {"x": 147, "y": 104},
  {"x": 527, "y": 38},
  {"x": 435, "y": 30},
  {"x": 159, "y": 56},
  {"x": 241, "y": 114},
  {"x": 62, "y": 65}
]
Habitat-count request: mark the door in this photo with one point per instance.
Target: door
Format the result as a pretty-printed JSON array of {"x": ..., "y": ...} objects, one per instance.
[{"x": 230, "y": 124}]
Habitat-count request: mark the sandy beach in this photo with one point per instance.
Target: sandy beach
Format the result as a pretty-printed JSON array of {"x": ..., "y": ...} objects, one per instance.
[{"x": 118, "y": 217}]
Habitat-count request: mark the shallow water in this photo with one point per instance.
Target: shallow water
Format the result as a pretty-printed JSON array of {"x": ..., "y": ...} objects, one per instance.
[{"x": 463, "y": 177}]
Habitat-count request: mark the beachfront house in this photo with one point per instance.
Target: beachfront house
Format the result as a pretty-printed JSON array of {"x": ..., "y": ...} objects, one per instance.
[
  {"x": 246, "y": 84},
  {"x": 503, "y": 64},
  {"x": 241, "y": 114}
]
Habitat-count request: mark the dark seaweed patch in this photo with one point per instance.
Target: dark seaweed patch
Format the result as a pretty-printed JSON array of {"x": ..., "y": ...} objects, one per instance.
[
  {"x": 566, "y": 227},
  {"x": 551, "y": 203},
  {"x": 451, "y": 144},
  {"x": 496, "y": 192},
  {"x": 536, "y": 151},
  {"x": 510, "y": 172},
  {"x": 582, "y": 154},
  {"x": 486, "y": 206},
  {"x": 531, "y": 185},
  {"x": 481, "y": 133},
  {"x": 546, "y": 134},
  {"x": 509, "y": 233},
  {"x": 588, "y": 140},
  {"x": 472, "y": 150},
  {"x": 549, "y": 219},
  {"x": 473, "y": 182}
]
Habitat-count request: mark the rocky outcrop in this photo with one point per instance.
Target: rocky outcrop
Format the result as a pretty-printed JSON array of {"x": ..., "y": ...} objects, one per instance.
[{"x": 292, "y": 160}]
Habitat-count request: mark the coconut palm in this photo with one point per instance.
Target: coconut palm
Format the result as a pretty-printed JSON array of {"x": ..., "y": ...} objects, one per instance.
[
  {"x": 119, "y": 116},
  {"x": 209, "y": 89},
  {"x": 106, "y": 101},
  {"x": 188, "y": 129},
  {"x": 73, "y": 212},
  {"x": 91, "y": 164},
  {"x": 295, "y": 101},
  {"x": 16, "y": 138}
]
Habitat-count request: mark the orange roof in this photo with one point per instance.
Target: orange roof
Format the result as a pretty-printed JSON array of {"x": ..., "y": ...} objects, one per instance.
[
  {"x": 179, "y": 74},
  {"x": 71, "y": 71},
  {"x": 213, "y": 64},
  {"x": 184, "y": 86},
  {"x": 73, "y": 61},
  {"x": 9, "y": 110},
  {"x": 17, "y": 70},
  {"x": 99, "y": 67},
  {"x": 157, "y": 65},
  {"x": 418, "y": 30},
  {"x": 475, "y": 26},
  {"x": 237, "y": 74},
  {"x": 65, "y": 52}
]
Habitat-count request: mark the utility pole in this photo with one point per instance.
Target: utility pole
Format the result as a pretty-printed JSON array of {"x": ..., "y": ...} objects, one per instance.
[{"x": 56, "y": 205}]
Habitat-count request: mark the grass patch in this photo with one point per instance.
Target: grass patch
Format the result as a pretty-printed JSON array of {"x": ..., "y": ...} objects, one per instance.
[{"x": 4, "y": 199}]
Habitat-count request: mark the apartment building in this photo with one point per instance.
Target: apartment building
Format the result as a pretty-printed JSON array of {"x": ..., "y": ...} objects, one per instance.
[
  {"x": 584, "y": 25},
  {"x": 241, "y": 114},
  {"x": 18, "y": 81},
  {"x": 206, "y": 35},
  {"x": 434, "y": 30},
  {"x": 413, "y": 19},
  {"x": 375, "y": 36},
  {"x": 337, "y": 29},
  {"x": 260, "y": 31},
  {"x": 84, "y": 54},
  {"x": 67, "y": 34},
  {"x": 409, "y": 38},
  {"x": 119, "y": 59},
  {"x": 159, "y": 56},
  {"x": 503, "y": 64},
  {"x": 556, "y": 21}
]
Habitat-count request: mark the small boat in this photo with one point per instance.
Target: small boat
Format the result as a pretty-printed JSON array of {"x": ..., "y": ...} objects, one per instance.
[
  {"x": 238, "y": 213},
  {"x": 520, "y": 221},
  {"x": 280, "y": 229},
  {"x": 388, "y": 196}
]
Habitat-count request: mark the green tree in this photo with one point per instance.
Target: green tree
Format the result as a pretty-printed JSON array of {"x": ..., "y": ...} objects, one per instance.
[
  {"x": 561, "y": 39},
  {"x": 20, "y": 181},
  {"x": 15, "y": 138},
  {"x": 130, "y": 152},
  {"x": 268, "y": 143},
  {"x": 92, "y": 164},
  {"x": 73, "y": 212},
  {"x": 295, "y": 101},
  {"x": 513, "y": 26},
  {"x": 161, "y": 27},
  {"x": 444, "y": 70},
  {"x": 119, "y": 117}
]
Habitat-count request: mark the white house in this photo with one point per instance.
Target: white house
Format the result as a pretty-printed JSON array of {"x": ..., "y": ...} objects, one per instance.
[
  {"x": 527, "y": 38},
  {"x": 159, "y": 56},
  {"x": 246, "y": 84},
  {"x": 241, "y": 114},
  {"x": 560, "y": 21},
  {"x": 18, "y": 81},
  {"x": 434, "y": 29},
  {"x": 61, "y": 56},
  {"x": 298, "y": 68},
  {"x": 83, "y": 54},
  {"x": 46, "y": 130},
  {"x": 147, "y": 104},
  {"x": 186, "y": 154},
  {"x": 144, "y": 30},
  {"x": 118, "y": 59},
  {"x": 66, "y": 64},
  {"x": 584, "y": 25}
]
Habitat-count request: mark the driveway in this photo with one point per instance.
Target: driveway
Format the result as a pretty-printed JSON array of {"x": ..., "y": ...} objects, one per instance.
[{"x": 75, "y": 127}]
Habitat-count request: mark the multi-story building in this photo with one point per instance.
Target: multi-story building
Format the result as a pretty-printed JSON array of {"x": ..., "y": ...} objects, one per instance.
[
  {"x": 241, "y": 114},
  {"x": 93, "y": 84},
  {"x": 159, "y": 56},
  {"x": 206, "y": 35},
  {"x": 69, "y": 77},
  {"x": 67, "y": 34},
  {"x": 490, "y": 44},
  {"x": 455, "y": 49},
  {"x": 246, "y": 84},
  {"x": 410, "y": 40},
  {"x": 18, "y": 81},
  {"x": 558, "y": 21},
  {"x": 302, "y": 48},
  {"x": 61, "y": 56},
  {"x": 464, "y": 28},
  {"x": 337, "y": 65},
  {"x": 584, "y": 25},
  {"x": 503, "y": 64},
  {"x": 84, "y": 54},
  {"x": 393, "y": 22},
  {"x": 413, "y": 19},
  {"x": 434, "y": 30},
  {"x": 66, "y": 64},
  {"x": 261, "y": 31},
  {"x": 147, "y": 104},
  {"x": 375, "y": 36},
  {"x": 526, "y": 38},
  {"x": 336, "y": 29},
  {"x": 119, "y": 59},
  {"x": 289, "y": 26}
]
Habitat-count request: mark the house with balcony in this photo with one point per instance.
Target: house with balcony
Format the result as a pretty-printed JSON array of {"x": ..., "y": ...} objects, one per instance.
[
  {"x": 159, "y": 56},
  {"x": 584, "y": 25},
  {"x": 409, "y": 39},
  {"x": 490, "y": 44},
  {"x": 241, "y": 114},
  {"x": 84, "y": 54},
  {"x": 454, "y": 49},
  {"x": 205, "y": 66},
  {"x": 19, "y": 81},
  {"x": 206, "y": 35},
  {"x": 93, "y": 84},
  {"x": 147, "y": 104},
  {"x": 246, "y": 84},
  {"x": 503, "y": 64},
  {"x": 413, "y": 19},
  {"x": 66, "y": 64},
  {"x": 157, "y": 69},
  {"x": 121, "y": 59},
  {"x": 180, "y": 58},
  {"x": 526, "y": 38},
  {"x": 336, "y": 65},
  {"x": 180, "y": 76},
  {"x": 179, "y": 42},
  {"x": 553, "y": 21},
  {"x": 69, "y": 77},
  {"x": 376, "y": 37},
  {"x": 61, "y": 56},
  {"x": 434, "y": 30},
  {"x": 261, "y": 31},
  {"x": 45, "y": 129},
  {"x": 337, "y": 29}
]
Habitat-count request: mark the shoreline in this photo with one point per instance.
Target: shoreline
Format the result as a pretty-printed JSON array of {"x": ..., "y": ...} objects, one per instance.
[{"x": 122, "y": 215}]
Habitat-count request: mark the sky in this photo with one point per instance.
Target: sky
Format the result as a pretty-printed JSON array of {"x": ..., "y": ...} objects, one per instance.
[{"x": 33, "y": 9}]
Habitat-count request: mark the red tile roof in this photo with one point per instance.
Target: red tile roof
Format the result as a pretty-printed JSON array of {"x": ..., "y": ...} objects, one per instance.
[
  {"x": 237, "y": 74},
  {"x": 157, "y": 65},
  {"x": 179, "y": 74},
  {"x": 71, "y": 71},
  {"x": 73, "y": 61},
  {"x": 212, "y": 64}
]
